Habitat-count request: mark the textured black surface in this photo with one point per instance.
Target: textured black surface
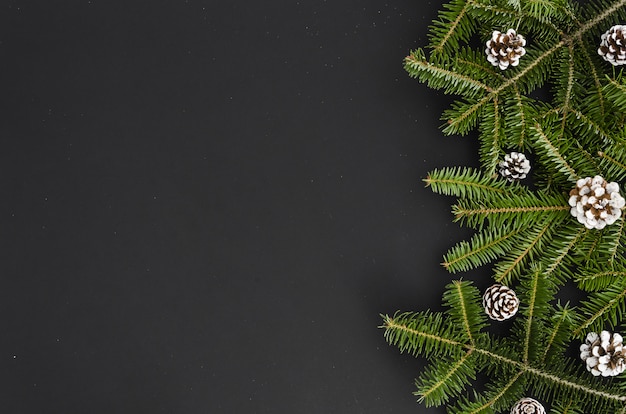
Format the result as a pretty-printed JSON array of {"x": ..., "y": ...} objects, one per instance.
[{"x": 206, "y": 205}]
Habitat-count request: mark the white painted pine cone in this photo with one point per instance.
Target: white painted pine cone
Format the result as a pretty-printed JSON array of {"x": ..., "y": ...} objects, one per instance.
[
  {"x": 515, "y": 166},
  {"x": 528, "y": 406},
  {"x": 613, "y": 45},
  {"x": 505, "y": 49},
  {"x": 595, "y": 202},
  {"x": 500, "y": 302},
  {"x": 604, "y": 354}
]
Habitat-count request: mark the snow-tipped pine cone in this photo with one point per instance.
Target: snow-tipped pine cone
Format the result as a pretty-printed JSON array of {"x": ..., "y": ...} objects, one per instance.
[
  {"x": 500, "y": 302},
  {"x": 595, "y": 202},
  {"x": 613, "y": 45},
  {"x": 515, "y": 166},
  {"x": 505, "y": 49},
  {"x": 528, "y": 406},
  {"x": 604, "y": 354}
]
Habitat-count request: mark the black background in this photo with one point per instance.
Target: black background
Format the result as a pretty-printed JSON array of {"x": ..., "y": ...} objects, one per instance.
[{"x": 206, "y": 205}]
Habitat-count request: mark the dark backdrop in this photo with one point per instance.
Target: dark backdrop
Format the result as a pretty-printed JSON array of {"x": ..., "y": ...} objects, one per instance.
[{"x": 206, "y": 205}]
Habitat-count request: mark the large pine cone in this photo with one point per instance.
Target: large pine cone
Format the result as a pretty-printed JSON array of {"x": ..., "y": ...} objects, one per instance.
[
  {"x": 613, "y": 45},
  {"x": 514, "y": 167},
  {"x": 604, "y": 354},
  {"x": 595, "y": 202},
  {"x": 504, "y": 49},
  {"x": 528, "y": 406},
  {"x": 500, "y": 302}
]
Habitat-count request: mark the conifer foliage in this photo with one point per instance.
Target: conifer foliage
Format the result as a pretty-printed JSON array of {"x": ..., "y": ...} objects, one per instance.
[{"x": 542, "y": 78}]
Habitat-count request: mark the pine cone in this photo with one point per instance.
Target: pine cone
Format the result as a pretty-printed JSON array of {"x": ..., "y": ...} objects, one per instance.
[
  {"x": 604, "y": 354},
  {"x": 613, "y": 45},
  {"x": 515, "y": 166},
  {"x": 528, "y": 406},
  {"x": 504, "y": 49},
  {"x": 500, "y": 302},
  {"x": 595, "y": 202}
]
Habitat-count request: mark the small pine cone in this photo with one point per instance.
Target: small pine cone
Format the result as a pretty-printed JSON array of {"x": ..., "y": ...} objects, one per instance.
[
  {"x": 528, "y": 406},
  {"x": 504, "y": 49},
  {"x": 595, "y": 202},
  {"x": 613, "y": 45},
  {"x": 514, "y": 167},
  {"x": 604, "y": 354},
  {"x": 500, "y": 302}
]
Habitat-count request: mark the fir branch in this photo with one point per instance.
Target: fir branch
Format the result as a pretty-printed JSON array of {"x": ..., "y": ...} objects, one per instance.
[
  {"x": 483, "y": 248},
  {"x": 559, "y": 333},
  {"x": 452, "y": 24},
  {"x": 439, "y": 77},
  {"x": 448, "y": 379},
  {"x": 498, "y": 211},
  {"x": 603, "y": 307},
  {"x": 598, "y": 280},
  {"x": 532, "y": 298},
  {"x": 410, "y": 331},
  {"x": 565, "y": 246},
  {"x": 468, "y": 183},
  {"x": 492, "y": 400},
  {"x": 461, "y": 298},
  {"x": 491, "y": 137},
  {"x": 594, "y": 75},
  {"x": 512, "y": 267},
  {"x": 551, "y": 151},
  {"x": 605, "y": 14}
]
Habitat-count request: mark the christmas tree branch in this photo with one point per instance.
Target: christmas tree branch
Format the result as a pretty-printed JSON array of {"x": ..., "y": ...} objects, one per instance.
[
  {"x": 532, "y": 297},
  {"x": 507, "y": 269},
  {"x": 395, "y": 329},
  {"x": 553, "y": 153},
  {"x": 606, "y": 13},
  {"x": 483, "y": 248},
  {"x": 594, "y": 74},
  {"x": 602, "y": 306}
]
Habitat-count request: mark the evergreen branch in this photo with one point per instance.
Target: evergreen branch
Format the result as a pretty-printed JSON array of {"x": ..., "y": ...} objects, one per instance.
[
  {"x": 570, "y": 81},
  {"x": 555, "y": 330},
  {"x": 452, "y": 26},
  {"x": 420, "y": 333},
  {"x": 615, "y": 92},
  {"x": 532, "y": 297},
  {"x": 467, "y": 183},
  {"x": 482, "y": 249},
  {"x": 562, "y": 253},
  {"x": 438, "y": 388},
  {"x": 528, "y": 68},
  {"x": 506, "y": 269},
  {"x": 607, "y": 305},
  {"x": 529, "y": 208},
  {"x": 494, "y": 399},
  {"x": 556, "y": 379},
  {"x": 616, "y": 242},
  {"x": 606, "y": 13},
  {"x": 594, "y": 74},
  {"x": 491, "y": 137},
  {"x": 590, "y": 124},
  {"x": 461, "y": 299},
  {"x": 439, "y": 77},
  {"x": 594, "y": 280},
  {"x": 462, "y": 117},
  {"x": 520, "y": 107},
  {"x": 613, "y": 161},
  {"x": 524, "y": 209},
  {"x": 554, "y": 154}
]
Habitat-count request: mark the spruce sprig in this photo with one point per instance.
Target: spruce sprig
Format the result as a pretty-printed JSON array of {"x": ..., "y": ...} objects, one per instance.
[
  {"x": 565, "y": 107},
  {"x": 531, "y": 360}
]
